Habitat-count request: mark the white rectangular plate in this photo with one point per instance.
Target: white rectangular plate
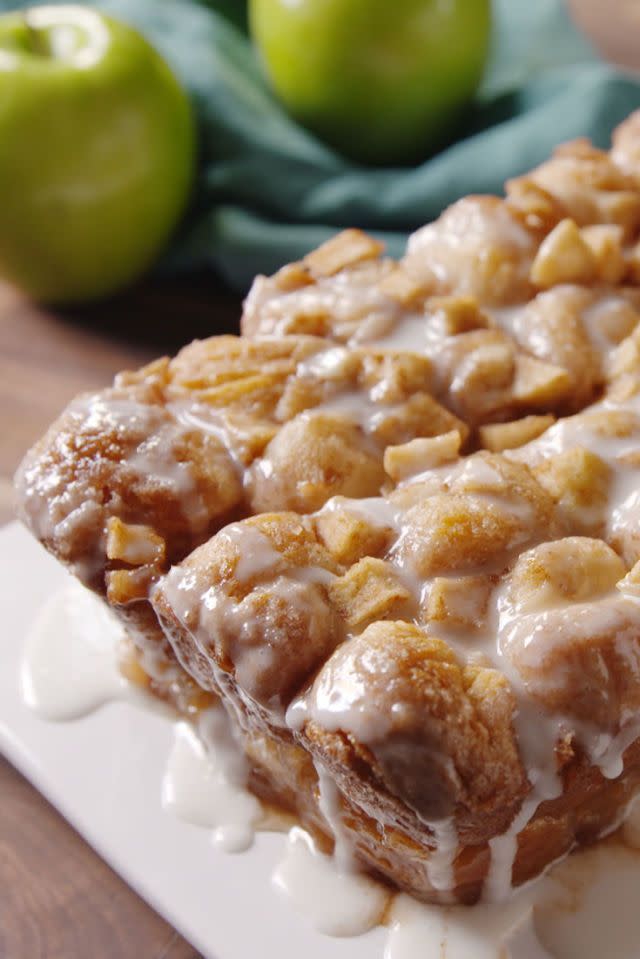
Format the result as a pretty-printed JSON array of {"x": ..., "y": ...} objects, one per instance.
[{"x": 104, "y": 773}]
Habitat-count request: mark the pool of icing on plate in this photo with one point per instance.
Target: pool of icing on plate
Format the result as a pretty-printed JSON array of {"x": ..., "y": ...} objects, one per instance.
[
  {"x": 582, "y": 907},
  {"x": 204, "y": 782},
  {"x": 69, "y": 665}
]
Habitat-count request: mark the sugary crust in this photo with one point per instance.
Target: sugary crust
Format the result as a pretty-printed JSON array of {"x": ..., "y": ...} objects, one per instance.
[
  {"x": 228, "y": 425},
  {"x": 302, "y": 626},
  {"x": 381, "y": 681},
  {"x": 228, "y": 428},
  {"x": 439, "y": 642},
  {"x": 444, "y": 736}
]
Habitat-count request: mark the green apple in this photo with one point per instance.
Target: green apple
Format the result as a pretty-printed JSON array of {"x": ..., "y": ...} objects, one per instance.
[
  {"x": 96, "y": 152},
  {"x": 381, "y": 80}
]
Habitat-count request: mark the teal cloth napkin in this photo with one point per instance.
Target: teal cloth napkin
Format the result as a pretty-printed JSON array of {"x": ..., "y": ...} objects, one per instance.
[{"x": 268, "y": 191}]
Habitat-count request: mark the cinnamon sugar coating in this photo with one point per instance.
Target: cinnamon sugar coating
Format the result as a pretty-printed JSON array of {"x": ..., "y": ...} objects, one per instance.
[
  {"x": 438, "y": 733},
  {"x": 228, "y": 428},
  {"x": 482, "y": 607}
]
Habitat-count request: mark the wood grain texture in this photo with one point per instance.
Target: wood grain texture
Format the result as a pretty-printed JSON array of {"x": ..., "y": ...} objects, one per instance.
[
  {"x": 58, "y": 899},
  {"x": 46, "y": 358}
]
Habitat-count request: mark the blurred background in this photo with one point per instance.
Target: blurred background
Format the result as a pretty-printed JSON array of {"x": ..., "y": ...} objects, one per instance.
[
  {"x": 151, "y": 163},
  {"x": 246, "y": 132}
]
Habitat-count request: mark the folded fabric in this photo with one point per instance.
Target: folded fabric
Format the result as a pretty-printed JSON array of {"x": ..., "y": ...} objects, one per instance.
[{"x": 268, "y": 191}]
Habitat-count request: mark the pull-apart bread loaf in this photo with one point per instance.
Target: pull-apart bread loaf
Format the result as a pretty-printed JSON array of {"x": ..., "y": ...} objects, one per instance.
[{"x": 395, "y": 527}]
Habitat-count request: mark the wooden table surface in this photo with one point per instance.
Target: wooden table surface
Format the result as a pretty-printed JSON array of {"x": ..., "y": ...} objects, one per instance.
[{"x": 58, "y": 899}]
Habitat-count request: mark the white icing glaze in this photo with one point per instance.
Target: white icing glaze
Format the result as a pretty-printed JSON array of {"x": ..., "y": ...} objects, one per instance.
[
  {"x": 350, "y": 297},
  {"x": 351, "y": 405},
  {"x": 441, "y": 858},
  {"x": 463, "y": 932},
  {"x": 622, "y": 526},
  {"x": 231, "y": 433},
  {"x": 467, "y": 221},
  {"x": 584, "y": 430},
  {"x": 498, "y": 883},
  {"x": 506, "y": 317},
  {"x": 205, "y": 779},
  {"x": 84, "y": 516},
  {"x": 152, "y": 458},
  {"x": 412, "y": 331},
  {"x": 69, "y": 667},
  {"x": 331, "y": 808},
  {"x": 607, "y": 752},
  {"x": 468, "y": 474},
  {"x": 338, "y": 700},
  {"x": 607, "y": 320},
  {"x": 257, "y": 557},
  {"x": 421, "y": 332},
  {"x": 338, "y": 902},
  {"x": 374, "y": 509},
  {"x": 602, "y": 320},
  {"x": 580, "y": 909},
  {"x": 537, "y": 635},
  {"x": 325, "y": 365}
]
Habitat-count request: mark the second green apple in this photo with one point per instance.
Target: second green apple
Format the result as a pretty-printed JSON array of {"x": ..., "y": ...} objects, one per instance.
[{"x": 380, "y": 80}]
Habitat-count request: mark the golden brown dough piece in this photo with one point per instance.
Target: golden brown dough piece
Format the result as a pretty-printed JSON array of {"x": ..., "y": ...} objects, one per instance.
[
  {"x": 131, "y": 479},
  {"x": 430, "y": 649}
]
